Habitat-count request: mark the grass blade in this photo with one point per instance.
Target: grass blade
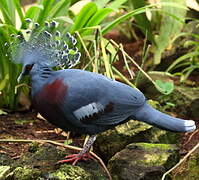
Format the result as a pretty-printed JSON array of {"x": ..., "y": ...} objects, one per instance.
[
  {"x": 63, "y": 4},
  {"x": 139, "y": 11},
  {"x": 83, "y": 17},
  {"x": 47, "y": 6},
  {"x": 19, "y": 10},
  {"x": 97, "y": 18}
]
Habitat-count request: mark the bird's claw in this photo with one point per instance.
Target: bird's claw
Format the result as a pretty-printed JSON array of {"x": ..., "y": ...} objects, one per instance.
[{"x": 76, "y": 157}]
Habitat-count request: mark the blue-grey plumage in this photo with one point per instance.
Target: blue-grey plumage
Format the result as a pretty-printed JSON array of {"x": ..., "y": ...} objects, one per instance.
[{"x": 92, "y": 103}]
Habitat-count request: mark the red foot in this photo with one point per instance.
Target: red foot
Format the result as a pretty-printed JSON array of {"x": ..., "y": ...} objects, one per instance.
[{"x": 77, "y": 157}]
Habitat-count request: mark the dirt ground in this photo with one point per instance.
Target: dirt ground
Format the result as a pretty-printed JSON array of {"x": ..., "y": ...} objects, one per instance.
[{"x": 28, "y": 126}]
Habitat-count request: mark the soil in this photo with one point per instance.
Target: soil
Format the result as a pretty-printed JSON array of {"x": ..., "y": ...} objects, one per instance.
[{"x": 28, "y": 126}]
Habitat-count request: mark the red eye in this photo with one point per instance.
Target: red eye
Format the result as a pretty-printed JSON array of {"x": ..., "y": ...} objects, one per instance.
[{"x": 29, "y": 67}]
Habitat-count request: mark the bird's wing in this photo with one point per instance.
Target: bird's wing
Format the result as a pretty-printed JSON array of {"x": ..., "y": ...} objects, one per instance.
[{"x": 95, "y": 99}]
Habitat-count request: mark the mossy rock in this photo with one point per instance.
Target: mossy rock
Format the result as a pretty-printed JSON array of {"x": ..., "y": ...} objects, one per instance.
[
  {"x": 189, "y": 170},
  {"x": 112, "y": 141},
  {"x": 41, "y": 163},
  {"x": 71, "y": 173},
  {"x": 24, "y": 173},
  {"x": 143, "y": 161},
  {"x": 44, "y": 157}
]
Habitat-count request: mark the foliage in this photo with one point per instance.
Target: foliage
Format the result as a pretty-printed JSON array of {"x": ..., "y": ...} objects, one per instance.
[
  {"x": 188, "y": 62},
  {"x": 12, "y": 21},
  {"x": 170, "y": 23},
  {"x": 89, "y": 25},
  {"x": 160, "y": 22},
  {"x": 167, "y": 87}
]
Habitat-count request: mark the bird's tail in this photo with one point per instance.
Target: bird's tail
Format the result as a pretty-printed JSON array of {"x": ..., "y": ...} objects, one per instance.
[{"x": 161, "y": 120}]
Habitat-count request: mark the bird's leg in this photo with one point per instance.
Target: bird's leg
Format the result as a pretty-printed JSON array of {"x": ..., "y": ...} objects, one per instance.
[{"x": 83, "y": 154}]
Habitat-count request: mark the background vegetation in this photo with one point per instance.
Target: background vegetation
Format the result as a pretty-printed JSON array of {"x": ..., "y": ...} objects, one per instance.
[{"x": 160, "y": 25}]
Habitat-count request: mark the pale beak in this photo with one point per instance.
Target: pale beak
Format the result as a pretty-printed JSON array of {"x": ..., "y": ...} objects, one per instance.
[
  {"x": 20, "y": 77},
  {"x": 22, "y": 74}
]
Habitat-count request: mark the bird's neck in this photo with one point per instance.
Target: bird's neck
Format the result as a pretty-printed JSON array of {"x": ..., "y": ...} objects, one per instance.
[{"x": 40, "y": 75}]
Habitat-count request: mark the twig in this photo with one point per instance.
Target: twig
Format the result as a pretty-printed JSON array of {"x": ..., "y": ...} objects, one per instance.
[
  {"x": 59, "y": 144},
  {"x": 133, "y": 61},
  {"x": 125, "y": 61},
  {"x": 190, "y": 137},
  {"x": 84, "y": 46},
  {"x": 181, "y": 161}
]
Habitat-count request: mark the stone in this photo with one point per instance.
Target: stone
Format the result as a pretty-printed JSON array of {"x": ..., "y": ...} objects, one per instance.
[
  {"x": 25, "y": 173},
  {"x": 112, "y": 141},
  {"x": 143, "y": 161},
  {"x": 41, "y": 163}
]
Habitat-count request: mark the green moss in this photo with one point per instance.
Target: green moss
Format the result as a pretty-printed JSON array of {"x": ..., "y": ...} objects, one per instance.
[
  {"x": 33, "y": 147},
  {"x": 71, "y": 173},
  {"x": 25, "y": 173},
  {"x": 143, "y": 161},
  {"x": 149, "y": 146},
  {"x": 132, "y": 128},
  {"x": 155, "y": 159},
  {"x": 154, "y": 104},
  {"x": 23, "y": 121},
  {"x": 155, "y": 154}
]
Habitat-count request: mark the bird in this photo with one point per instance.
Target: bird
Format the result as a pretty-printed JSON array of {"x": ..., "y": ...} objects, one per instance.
[{"x": 77, "y": 100}]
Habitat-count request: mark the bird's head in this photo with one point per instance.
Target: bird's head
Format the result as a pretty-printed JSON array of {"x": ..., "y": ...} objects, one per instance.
[
  {"x": 25, "y": 71},
  {"x": 44, "y": 46}
]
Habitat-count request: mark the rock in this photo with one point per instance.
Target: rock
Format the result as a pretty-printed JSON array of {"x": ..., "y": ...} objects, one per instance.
[
  {"x": 188, "y": 170},
  {"x": 71, "y": 172},
  {"x": 191, "y": 100},
  {"x": 143, "y": 161},
  {"x": 40, "y": 163},
  {"x": 112, "y": 141},
  {"x": 25, "y": 173}
]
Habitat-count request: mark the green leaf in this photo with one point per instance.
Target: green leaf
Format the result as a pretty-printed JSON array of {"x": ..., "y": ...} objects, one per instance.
[
  {"x": 164, "y": 87},
  {"x": 2, "y": 113},
  {"x": 5, "y": 12},
  {"x": 33, "y": 10},
  {"x": 58, "y": 8},
  {"x": 84, "y": 15},
  {"x": 101, "y": 3},
  {"x": 141, "y": 19},
  {"x": 96, "y": 19},
  {"x": 139, "y": 11},
  {"x": 68, "y": 141},
  {"x": 169, "y": 28},
  {"x": 182, "y": 58},
  {"x": 19, "y": 9},
  {"x": 116, "y": 4},
  {"x": 48, "y": 5},
  {"x": 64, "y": 19},
  {"x": 3, "y": 82}
]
